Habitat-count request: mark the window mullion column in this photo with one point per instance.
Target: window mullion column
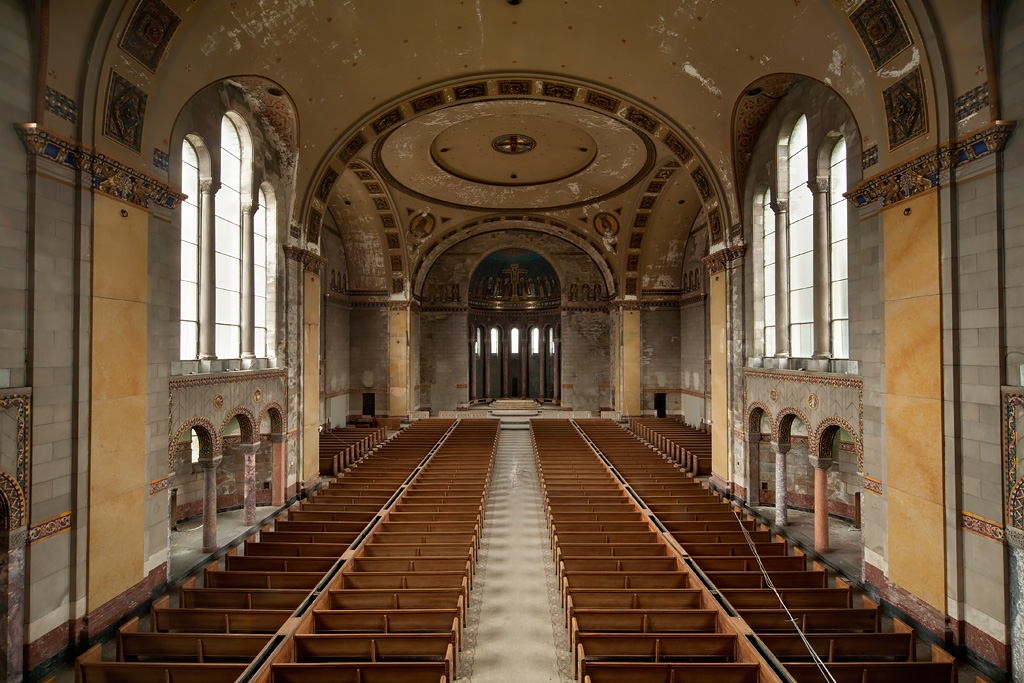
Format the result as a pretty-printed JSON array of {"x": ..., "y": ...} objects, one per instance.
[
  {"x": 781, "y": 208},
  {"x": 822, "y": 285},
  {"x": 207, "y": 271},
  {"x": 248, "y": 287}
]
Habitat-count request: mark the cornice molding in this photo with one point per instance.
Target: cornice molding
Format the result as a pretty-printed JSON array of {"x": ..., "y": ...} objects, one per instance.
[
  {"x": 103, "y": 173},
  {"x": 312, "y": 262},
  {"x": 932, "y": 168}
]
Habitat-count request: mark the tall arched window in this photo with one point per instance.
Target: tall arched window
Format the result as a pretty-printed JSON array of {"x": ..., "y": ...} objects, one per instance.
[
  {"x": 838, "y": 253},
  {"x": 228, "y": 244},
  {"x": 535, "y": 340},
  {"x": 515, "y": 341},
  {"x": 768, "y": 249},
  {"x": 189, "y": 339},
  {"x": 494, "y": 341},
  {"x": 263, "y": 236},
  {"x": 801, "y": 245}
]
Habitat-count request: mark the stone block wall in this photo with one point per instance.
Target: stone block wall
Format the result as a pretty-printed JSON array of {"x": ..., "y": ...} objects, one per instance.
[
  {"x": 661, "y": 359},
  {"x": 368, "y": 357},
  {"x": 443, "y": 359},
  {"x": 586, "y": 359}
]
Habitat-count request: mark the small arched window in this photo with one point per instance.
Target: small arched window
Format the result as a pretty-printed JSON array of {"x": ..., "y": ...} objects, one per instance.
[
  {"x": 838, "y": 253},
  {"x": 494, "y": 341},
  {"x": 768, "y": 273},
  {"x": 535, "y": 341},
  {"x": 801, "y": 245},
  {"x": 515, "y": 341},
  {"x": 228, "y": 244},
  {"x": 189, "y": 339}
]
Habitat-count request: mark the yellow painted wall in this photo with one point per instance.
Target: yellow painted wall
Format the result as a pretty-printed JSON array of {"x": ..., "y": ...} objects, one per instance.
[
  {"x": 631, "y": 371},
  {"x": 117, "y": 429},
  {"x": 719, "y": 377},
  {"x": 398, "y": 363},
  {"x": 913, "y": 403},
  {"x": 310, "y": 374}
]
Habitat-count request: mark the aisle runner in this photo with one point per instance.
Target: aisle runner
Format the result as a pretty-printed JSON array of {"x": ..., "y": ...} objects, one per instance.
[{"x": 515, "y": 630}]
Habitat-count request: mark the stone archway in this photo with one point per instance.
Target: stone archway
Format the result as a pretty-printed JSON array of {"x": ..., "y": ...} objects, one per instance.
[{"x": 278, "y": 438}]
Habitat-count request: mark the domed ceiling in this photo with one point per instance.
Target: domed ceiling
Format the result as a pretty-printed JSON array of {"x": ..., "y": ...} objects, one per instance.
[{"x": 514, "y": 279}]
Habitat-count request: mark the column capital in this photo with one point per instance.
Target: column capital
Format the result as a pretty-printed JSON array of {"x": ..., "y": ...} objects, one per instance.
[
  {"x": 209, "y": 186},
  {"x": 780, "y": 205},
  {"x": 249, "y": 208},
  {"x": 820, "y": 463},
  {"x": 819, "y": 184},
  {"x": 14, "y": 539},
  {"x": 780, "y": 448},
  {"x": 210, "y": 463}
]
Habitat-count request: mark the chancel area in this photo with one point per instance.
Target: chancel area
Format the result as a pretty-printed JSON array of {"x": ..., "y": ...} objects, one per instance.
[{"x": 466, "y": 341}]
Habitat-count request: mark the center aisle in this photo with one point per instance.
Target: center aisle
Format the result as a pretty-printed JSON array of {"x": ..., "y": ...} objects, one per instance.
[{"x": 510, "y": 607}]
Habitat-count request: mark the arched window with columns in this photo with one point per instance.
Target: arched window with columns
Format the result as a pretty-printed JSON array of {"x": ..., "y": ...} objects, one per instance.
[
  {"x": 190, "y": 218},
  {"x": 801, "y": 244},
  {"x": 768, "y": 271},
  {"x": 839, "y": 266},
  {"x": 228, "y": 244}
]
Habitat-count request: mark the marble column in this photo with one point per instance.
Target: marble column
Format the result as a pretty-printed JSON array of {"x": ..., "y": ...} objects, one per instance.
[
  {"x": 524, "y": 385},
  {"x": 248, "y": 288},
  {"x": 753, "y": 468},
  {"x": 821, "y": 467},
  {"x": 541, "y": 369},
  {"x": 207, "y": 271},
  {"x": 487, "y": 367},
  {"x": 472, "y": 368},
  {"x": 209, "y": 466},
  {"x": 505, "y": 346},
  {"x": 822, "y": 285},
  {"x": 781, "y": 208},
  {"x": 278, "y": 475},
  {"x": 556, "y": 373},
  {"x": 781, "y": 517},
  {"x": 249, "y": 487},
  {"x": 12, "y": 603}
]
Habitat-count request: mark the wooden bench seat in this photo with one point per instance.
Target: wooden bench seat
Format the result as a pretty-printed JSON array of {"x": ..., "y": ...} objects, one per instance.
[
  {"x": 644, "y": 620},
  {"x": 780, "y": 579},
  {"x": 837, "y": 620},
  {"x": 156, "y": 672},
  {"x": 734, "y": 563},
  {"x": 794, "y": 598},
  {"x": 169, "y": 647},
  {"x": 620, "y": 564},
  {"x": 668, "y": 648},
  {"x": 241, "y": 598},
  {"x": 417, "y": 647},
  {"x": 237, "y": 579},
  {"x": 838, "y": 647},
  {"x": 245, "y": 563},
  {"x": 362, "y": 672},
  {"x": 574, "y": 580},
  {"x": 628, "y": 672},
  {"x": 882, "y": 672},
  {"x": 171, "y": 619}
]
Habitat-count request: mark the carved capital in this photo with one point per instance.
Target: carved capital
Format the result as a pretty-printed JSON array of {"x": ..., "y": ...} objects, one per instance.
[
  {"x": 779, "y": 205},
  {"x": 819, "y": 184},
  {"x": 209, "y": 186},
  {"x": 820, "y": 463},
  {"x": 210, "y": 463}
]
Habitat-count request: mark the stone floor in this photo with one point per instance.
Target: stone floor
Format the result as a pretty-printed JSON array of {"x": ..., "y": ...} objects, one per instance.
[
  {"x": 510, "y": 631},
  {"x": 846, "y": 542},
  {"x": 187, "y": 553}
]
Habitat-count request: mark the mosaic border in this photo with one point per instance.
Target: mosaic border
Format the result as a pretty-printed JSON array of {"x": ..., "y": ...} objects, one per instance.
[
  {"x": 158, "y": 485},
  {"x": 873, "y": 485},
  {"x": 985, "y": 528},
  {"x": 104, "y": 173},
  {"x": 49, "y": 527}
]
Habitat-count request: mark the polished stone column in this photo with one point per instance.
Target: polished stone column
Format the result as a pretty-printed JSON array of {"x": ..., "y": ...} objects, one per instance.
[
  {"x": 523, "y": 367},
  {"x": 472, "y": 367},
  {"x": 556, "y": 372},
  {"x": 822, "y": 285},
  {"x": 248, "y": 288},
  {"x": 781, "y": 516},
  {"x": 249, "y": 486},
  {"x": 505, "y": 347},
  {"x": 207, "y": 270},
  {"x": 12, "y": 603},
  {"x": 541, "y": 369},
  {"x": 781, "y": 208},
  {"x": 487, "y": 367},
  {"x": 209, "y": 466},
  {"x": 278, "y": 475},
  {"x": 821, "y": 467}
]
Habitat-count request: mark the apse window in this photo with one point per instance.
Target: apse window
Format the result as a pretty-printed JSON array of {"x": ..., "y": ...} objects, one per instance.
[{"x": 515, "y": 341}]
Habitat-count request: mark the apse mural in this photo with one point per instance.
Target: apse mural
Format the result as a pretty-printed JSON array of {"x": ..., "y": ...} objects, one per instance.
[{"x": 514, "y": 279}]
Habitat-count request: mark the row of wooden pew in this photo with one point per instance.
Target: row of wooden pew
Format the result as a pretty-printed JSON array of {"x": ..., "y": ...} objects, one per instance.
[
  {"x": 365, "y": 581},
  {"x": 847, "y": 637},
  {"x": 342, "y": 446},
  {"x": 689, "y": 447},
  {"x": 634, "y": 611}
]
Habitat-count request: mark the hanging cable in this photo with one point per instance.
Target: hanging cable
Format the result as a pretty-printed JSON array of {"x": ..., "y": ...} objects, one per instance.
[{"x": 814, "y": 655}]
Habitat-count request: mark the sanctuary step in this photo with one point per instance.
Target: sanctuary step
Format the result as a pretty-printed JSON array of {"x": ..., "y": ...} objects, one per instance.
[{"x": 514, "y": 404}]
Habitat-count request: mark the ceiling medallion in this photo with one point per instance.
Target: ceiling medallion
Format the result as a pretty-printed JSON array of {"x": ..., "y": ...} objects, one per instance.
[{"x": 513, "y": 143}]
